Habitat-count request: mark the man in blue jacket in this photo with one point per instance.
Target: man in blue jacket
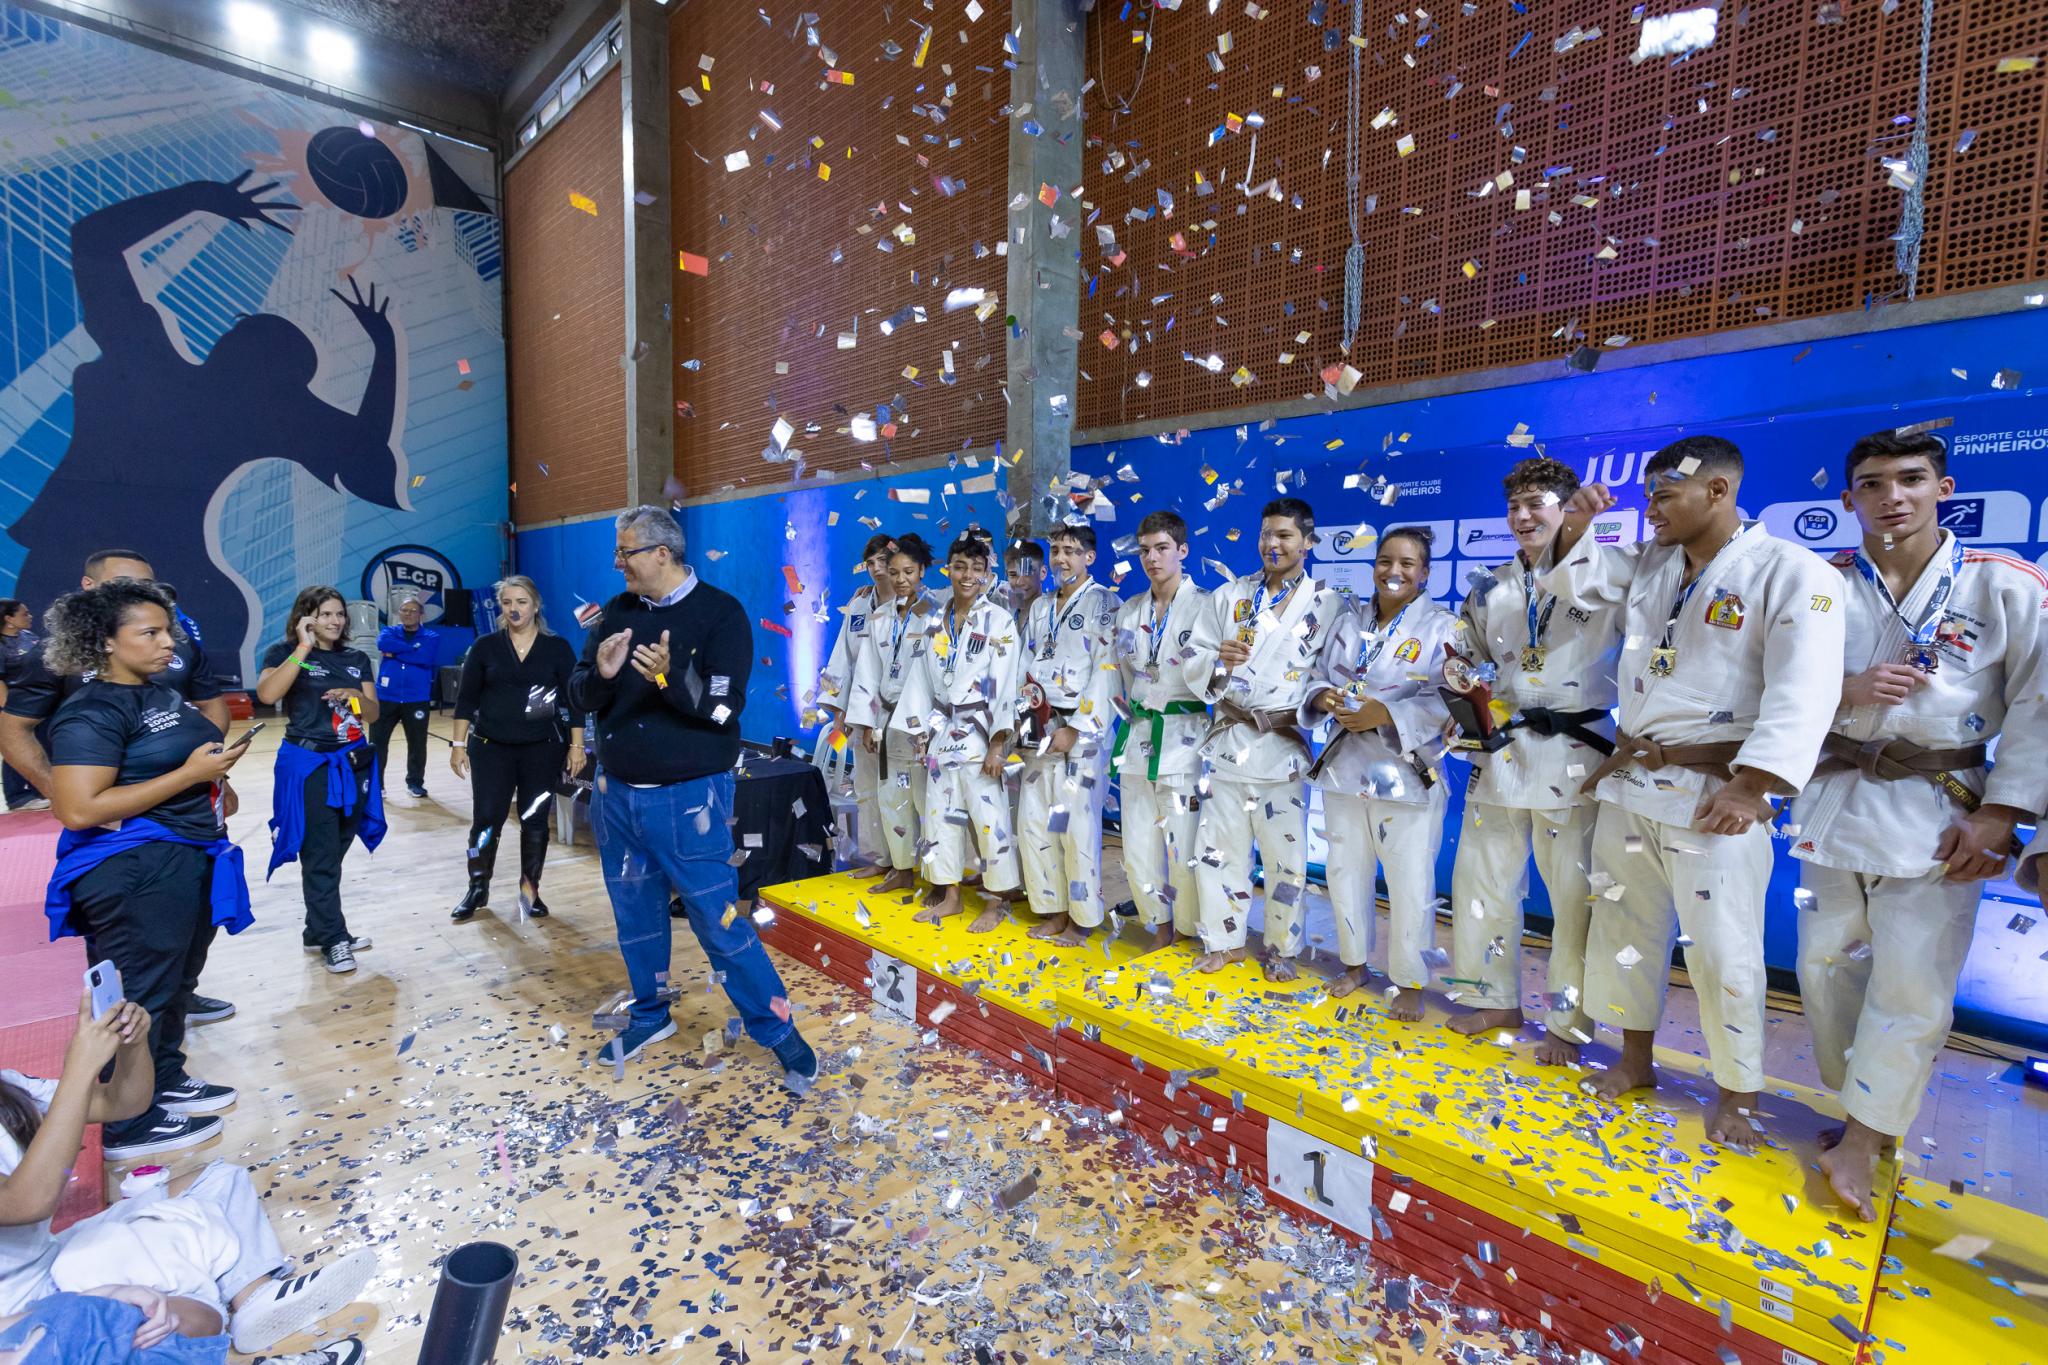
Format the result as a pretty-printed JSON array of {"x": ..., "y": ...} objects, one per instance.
[{"x": 405, "y": 680}]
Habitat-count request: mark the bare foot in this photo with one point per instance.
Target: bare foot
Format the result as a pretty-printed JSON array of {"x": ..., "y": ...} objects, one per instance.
[
  {"x": 1830, "y": 1138},
  {"x": 1625, "y": 1075},
  {"x": 1280, "y": 968},
  {"x": 1484, "y": 1021},
  {"x": 1730, "y": 1124},
  {"x": 1164, "y": 936},
  {"x": 1050, "y": 928},
  {"x": 987, "y": 920},
  {"x": 933, "y": 895},
  {"x": 1406, "y": 1005},
  {"x": 1216, "y": 962},
  {"x": 1347, "y": 981},
  {"x": 899, "y": 879},
  {"x": 1556, "y": 1051},
  {"x": 943, "y": 908},
  {"x": 1850, "y": 1164},
  {"x": 1073, "y": 937},
  {"x": 869, "y": 870}
]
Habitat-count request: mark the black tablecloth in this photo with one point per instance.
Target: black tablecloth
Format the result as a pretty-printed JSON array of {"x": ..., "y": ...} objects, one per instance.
[{"x": 783, "y": 822}]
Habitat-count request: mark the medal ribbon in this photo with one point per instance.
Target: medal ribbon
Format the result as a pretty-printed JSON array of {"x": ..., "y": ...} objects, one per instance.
[
  {"x": 1944, "y": 588},
  {"x": 1686, "y": 590},
  {"x": 1376, "y": 639}
]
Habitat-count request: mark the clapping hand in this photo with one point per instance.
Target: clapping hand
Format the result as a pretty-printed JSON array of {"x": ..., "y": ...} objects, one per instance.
[
  {"x": 611, "y": 653},
  {"x": 651, "y": 661}
]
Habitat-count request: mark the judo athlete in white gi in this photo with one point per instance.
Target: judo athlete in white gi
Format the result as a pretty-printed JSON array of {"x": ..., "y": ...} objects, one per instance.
[
  {"x": 1727, "y": 672},
  {"x": 1902, "y": 823},
  {"x": 1064, "y": 720},
  {"x": 835, "y": 687},
  {"x": 894, "y": 628},
  {"x": 1023, "y": 578},
  {"x": 1381, "y": 774},
  {"x": 1261, "y": 638},
  {"x": 959, "y": 703},
  {"x": 1554, "y": 677},
  {"x": 1158, "y": 752}
]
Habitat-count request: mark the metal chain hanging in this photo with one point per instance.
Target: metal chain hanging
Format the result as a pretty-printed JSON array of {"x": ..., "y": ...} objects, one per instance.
[
  {"x": 1354, "y": 257},
  {"x": 1913, "y": 214}
]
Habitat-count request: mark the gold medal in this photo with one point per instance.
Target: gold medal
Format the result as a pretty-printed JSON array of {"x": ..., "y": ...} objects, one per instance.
[
  {"x": 1533, "y": 657},
  {"x": 1663, "y": 658}
]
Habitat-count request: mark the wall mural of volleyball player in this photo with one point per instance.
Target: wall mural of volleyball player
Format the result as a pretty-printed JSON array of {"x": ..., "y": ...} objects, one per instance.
[{"x": 159, "y": 438}]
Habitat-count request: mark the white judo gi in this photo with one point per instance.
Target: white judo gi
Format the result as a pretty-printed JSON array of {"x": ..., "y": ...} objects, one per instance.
[
  {"x": 1256, "y": 755},
  {"x": 835, "y": 690},
  {"x": 1158, "y": 755},
  {"x": 894, "y": 629},
  {"x": 1384, "y": 790},
  {"x": 960, "y": 689},
  {"x": 1524, "y": 798},
  {"x": 1880, "y": 1014},
  {"x": 1069, "y": 661},
  {"x": 1750, "y": 659}
]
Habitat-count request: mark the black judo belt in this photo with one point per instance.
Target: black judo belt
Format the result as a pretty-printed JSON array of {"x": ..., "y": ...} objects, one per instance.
[{"x": 1542, "y": 720}]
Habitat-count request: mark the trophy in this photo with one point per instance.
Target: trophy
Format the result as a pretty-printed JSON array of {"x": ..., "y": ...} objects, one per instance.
[
  {"x": 1034, "y": 713},
  {"x": 1470, "y": 699}
]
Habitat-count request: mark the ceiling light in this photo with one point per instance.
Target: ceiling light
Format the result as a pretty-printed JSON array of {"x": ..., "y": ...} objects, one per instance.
[
  {"x": 253, "y": 24},
  {"x": 331, "y": 48}
]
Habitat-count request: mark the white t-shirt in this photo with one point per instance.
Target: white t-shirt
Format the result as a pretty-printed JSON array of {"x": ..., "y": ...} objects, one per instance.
[{"x": 26, "y": 1251}]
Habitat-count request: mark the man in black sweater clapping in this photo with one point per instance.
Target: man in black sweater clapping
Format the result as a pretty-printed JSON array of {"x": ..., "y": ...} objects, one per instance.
[{"x": 664, "y": 669}]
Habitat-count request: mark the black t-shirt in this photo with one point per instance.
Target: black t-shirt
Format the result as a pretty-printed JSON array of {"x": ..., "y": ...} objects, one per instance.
[
  {"x": 141, "y": 731},
  {"x": 310, "y": 719},
  {"x": 513, "y": 700},
  {"x": 35, "y": 693}
]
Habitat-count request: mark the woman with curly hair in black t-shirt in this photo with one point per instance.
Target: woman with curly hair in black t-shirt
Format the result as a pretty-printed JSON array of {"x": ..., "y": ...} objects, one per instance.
[{"x": 144, "y": 868}]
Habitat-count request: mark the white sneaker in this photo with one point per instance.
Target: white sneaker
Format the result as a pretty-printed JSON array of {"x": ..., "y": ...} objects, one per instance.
[
  {"x": 347, "y": 1351},
  {"x": 283, "y": 1307}
]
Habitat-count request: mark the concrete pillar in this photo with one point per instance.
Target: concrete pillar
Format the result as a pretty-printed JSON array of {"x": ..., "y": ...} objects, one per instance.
[
  {"x": 1044, "y": 290},
  {"x": 650, "y": 277}
]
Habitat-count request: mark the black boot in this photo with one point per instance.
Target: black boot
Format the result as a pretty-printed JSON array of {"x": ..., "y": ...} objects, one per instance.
[
  {"x": 476, "y": 898},
  {"x": 533, "y": 853}
]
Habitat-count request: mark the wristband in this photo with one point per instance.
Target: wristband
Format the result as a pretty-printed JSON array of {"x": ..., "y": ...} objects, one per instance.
[{"x": 458, "y": 744}]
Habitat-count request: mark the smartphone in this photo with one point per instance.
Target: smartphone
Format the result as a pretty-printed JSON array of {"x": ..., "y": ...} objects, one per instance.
[
  {"x": 248, "y": 735},
  {"x": 104, "y": 981}
]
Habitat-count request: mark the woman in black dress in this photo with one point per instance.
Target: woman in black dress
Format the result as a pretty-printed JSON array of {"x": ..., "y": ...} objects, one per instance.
[
  {"x": 514, "y": 737},
  {"x": 325, "y": 794}
]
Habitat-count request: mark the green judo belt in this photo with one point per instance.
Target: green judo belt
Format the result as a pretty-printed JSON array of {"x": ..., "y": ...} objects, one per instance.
[{"x": 1158, "y": 720}]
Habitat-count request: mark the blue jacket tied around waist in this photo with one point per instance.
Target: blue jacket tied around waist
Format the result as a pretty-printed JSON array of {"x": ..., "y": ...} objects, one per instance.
[
  {"x": 296, "y": 763},
  {"x": 79, "y": 851}
]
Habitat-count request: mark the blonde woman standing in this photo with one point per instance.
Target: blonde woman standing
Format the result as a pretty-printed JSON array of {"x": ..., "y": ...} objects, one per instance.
[{"x": 514, "y": 737}]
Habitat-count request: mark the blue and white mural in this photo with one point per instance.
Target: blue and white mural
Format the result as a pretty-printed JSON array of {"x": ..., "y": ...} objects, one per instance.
[{"x": 247, "y": 335}]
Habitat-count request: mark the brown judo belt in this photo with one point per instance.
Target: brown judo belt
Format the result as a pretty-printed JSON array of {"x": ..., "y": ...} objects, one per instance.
[
  {"x": 1895, "y": 760},
  {"x": 1711, "y": 759},
  {"x": 1281, "y": 722}
]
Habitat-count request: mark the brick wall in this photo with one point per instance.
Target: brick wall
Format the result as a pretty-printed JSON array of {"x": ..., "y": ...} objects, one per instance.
[{"x": 565, "y": 310}]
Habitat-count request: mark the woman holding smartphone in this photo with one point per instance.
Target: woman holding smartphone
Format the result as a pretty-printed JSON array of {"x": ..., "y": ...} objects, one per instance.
[
  {"x": 326, "y": 794},
  {"x": 144, "y": 868},
  {"x": 514, "y": 740}
]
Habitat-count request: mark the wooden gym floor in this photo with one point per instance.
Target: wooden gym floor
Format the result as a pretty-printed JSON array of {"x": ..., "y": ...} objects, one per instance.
[{"x": 697, "y": 1212}]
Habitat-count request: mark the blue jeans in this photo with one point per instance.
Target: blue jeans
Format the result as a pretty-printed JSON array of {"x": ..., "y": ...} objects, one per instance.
[{"x": 652, "y": 838}]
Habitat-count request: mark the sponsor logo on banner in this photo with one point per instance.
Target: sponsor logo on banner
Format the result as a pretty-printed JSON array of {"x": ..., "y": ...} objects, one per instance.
[
  {"x": 1485, "y": 538},
  {"x": 1621, "y": 526},
  {"x": 2000, "y": 517},
  {"x": 1816, "y": 525},
  {"x": 1336, "y": 544},
  {"x": 404, "y": 571}
]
